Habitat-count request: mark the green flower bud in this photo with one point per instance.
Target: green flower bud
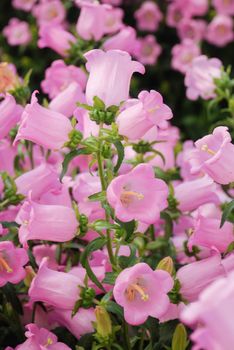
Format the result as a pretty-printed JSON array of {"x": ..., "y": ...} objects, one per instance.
[{"x": 179, "y": 340}]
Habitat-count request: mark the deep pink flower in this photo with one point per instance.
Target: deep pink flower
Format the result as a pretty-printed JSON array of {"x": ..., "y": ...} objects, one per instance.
[
  {"x": 212, "y": 316},
  {"x": 199, "y": 79},
  {"x": 10, "y": 114},
  {"x": 47, "y": 128},
  {"x": 148, "y": 16},
  {"x": 225, "y": 7},
  {"x": 147, "y": 50},
  {"x": 17, "y": 32},
  {"x": 55, "y": 223},
  {"x": 142, "y": 292},
  {"x": 183, "y": 55},
  {"x": 25, "y": 5},
  {"x": 110, "y": 75},
  {"x": 59, "y": 76},
  {"x": 214, "y": 155},
  {"x": 58, "y": 289},
  {"x": 193, "y": 29},
  {"x": 142, "y": 114},
  {"x": 138, "y": 189},
  {"x": 12, "y": 260},
  {"x": 220, "y": 30},
  {"x": 56, "y": 38}
]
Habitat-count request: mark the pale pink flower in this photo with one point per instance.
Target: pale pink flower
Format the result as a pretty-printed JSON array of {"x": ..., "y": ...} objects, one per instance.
[
  {"x": 183, "y": 161},
  {"x": 17, "y": 32},
  {"x": 10, "y": 114},
  {"x": 142, "y": 292},
  {"x": 110, "y": 75},
  {"x": 214, "y": 155},
  {"x": 147, "y": 50},
  {"x": 52, "y": 12},
  {"x": 142, "y": 114},
  {"x": 211, "y": 315},
  {"x": 55, "y": 223},
  {"x": 45, "y": 127},
  {"x": 225, "y": 7},
  {"x": 138, "y": 189},
  {"x": 183, "y": 55},
  {"x": 7, "y": 156},
  {"x": 193, "y": 29},
  {"x": 25, "y": 5},
  {"x": 58, "y": 289},
  {"x": 220, "y": 30},
  {"x": 125, "y": 40},
  {"x": 148, "y": 16},
  {"x": 12, "y": 260},
  {"x": 59, "y": 76},
  {"x": 56, "y": 38},
  {"x": 199, "y": 79}
]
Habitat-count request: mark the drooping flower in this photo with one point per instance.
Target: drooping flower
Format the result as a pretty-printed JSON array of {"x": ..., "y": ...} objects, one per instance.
[
  {"x": 142, "y": 292},
  {"x": 110, "y": 75},
  {"x": 138, "y": 189},
  {"x": 12, "y": 260},
  {"x": 214, "y": 155}
]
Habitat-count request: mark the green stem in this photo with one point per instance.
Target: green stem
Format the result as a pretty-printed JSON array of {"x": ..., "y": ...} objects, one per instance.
[
  {"x": 151, "y": 231},
  {"x": 142, "y": 340},
  {"x": 126, "y": 336}
]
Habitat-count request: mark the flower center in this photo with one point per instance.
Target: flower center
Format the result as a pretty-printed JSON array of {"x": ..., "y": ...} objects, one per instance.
[
  {"x": 4, "y": 266},
  {"x": 127, "y": 197},
  {"x": 49, "y": 342},
  {"x": 135, "y": 289},
  {"x": 205, "y": 148}
]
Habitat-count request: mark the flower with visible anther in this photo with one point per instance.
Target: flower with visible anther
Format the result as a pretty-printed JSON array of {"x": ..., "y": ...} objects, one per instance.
[
  {"x": 142, "y": 292},
  {"x": 129, "y": 194}
]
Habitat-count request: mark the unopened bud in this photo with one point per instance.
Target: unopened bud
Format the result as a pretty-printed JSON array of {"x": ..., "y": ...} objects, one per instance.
[
  {"x": 179, "y": 340},
  {"x": 30, "y": 274},
  {"x": 166, "y": 264},
  {"x": 104, "y": 326}
]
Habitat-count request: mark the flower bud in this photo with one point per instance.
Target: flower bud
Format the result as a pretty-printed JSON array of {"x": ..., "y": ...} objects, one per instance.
[
  {"x": 104, "y": 327},
  {"x": 166, "y": 264},
  {"x": 179, "y": 340}
]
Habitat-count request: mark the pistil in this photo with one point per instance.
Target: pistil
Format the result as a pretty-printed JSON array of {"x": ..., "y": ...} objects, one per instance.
[
  {"x": 4, "y": 265},
  {"x": 205, "y": 148}
]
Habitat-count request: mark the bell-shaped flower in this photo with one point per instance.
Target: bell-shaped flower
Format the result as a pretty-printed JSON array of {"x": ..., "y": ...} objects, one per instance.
[{"x": 9, "y": 114}]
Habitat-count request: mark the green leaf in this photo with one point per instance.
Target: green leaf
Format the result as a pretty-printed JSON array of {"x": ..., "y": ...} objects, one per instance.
[
  {"x": 116, "y": 309},
  {"x": 97, "y": 197},
  {"x": 98, "y": 103},
  {"x": 68, "y": 158},
  {"x": 179, "y": 340},
  {"x": 120, "y": 151},
  {"x": 9, "y": 224},
  {"x": 84, "y": 106},
  {"x": 127, "y": 261},
  {"x": 227, "y": 211},
  {"x": 129, "y": 228},
  {"x": 113, "y": 109},
  {"x": 91, "y": 247},
  {"x": 11, "y": 296},
  {"x": 110, "y": 278},
  {"x": 100, "y": 225}
]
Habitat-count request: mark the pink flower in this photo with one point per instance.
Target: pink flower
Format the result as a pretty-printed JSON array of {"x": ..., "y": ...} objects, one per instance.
[
  {"x": 52, "y": 12},
  {"x": 94, "y": 20},
  {"x": 25, "y": 5},
  {"x": 211, "y": 315},
  {"x": 192, "y": 29},
  {"x": 12, "y": 261},
  {"x": 207, "y": 233},
  {"x": 176, "y": 12},
  {"x": 148, "y": 16},
  {"x": 142, "y": 292},
  {"x": 40, "y": 339},
  {"x": 113, "y": 20},
  {"x": 9, "y": 79},
  {"x": 17, "y": 32},
  {"x": 125, "y": 40},
  {"x": 9, "y": 114},
  {"x": 37, "y": 181},
  {"x": 214, "y": 155},
  {"x": 78, "y": 325},
  {"x": 147, "y": 50},
  {"x": 56, "y": 38},
  {"x": 199, "y": 79},
  {"x": 183, "y": 55},
  {"x": 66, "y": 101},
  {"x": 110, "y": 75},
  {"x": 59, "y": 76},
  {"x": 7, "y": 156},
  {"x": 183, "y": 161},
  {"x": 225, "y": 7},
  {"x": 55, "y": 223},
  {"x": 220, "y": 30},
  {"x": 58, "y": 289},
  {"x": 41, "y": 251},
  {"x": 142, "y": 114},
  {"x": 138, "y": 189},
  {"x": 47, "y": 128},
  {"x": 192, "y": 194},
  {"x": 195, "y": 277}
]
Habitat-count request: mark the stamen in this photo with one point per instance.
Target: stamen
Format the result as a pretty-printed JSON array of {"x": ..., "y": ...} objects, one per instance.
[
  {"x": 205, "y": 148},
  {"x": 136, "y": 288},
  {"x": 127, "y": 197},
  {"x": 49, "y": 342},
  {"x": 4, "y": 265}
]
